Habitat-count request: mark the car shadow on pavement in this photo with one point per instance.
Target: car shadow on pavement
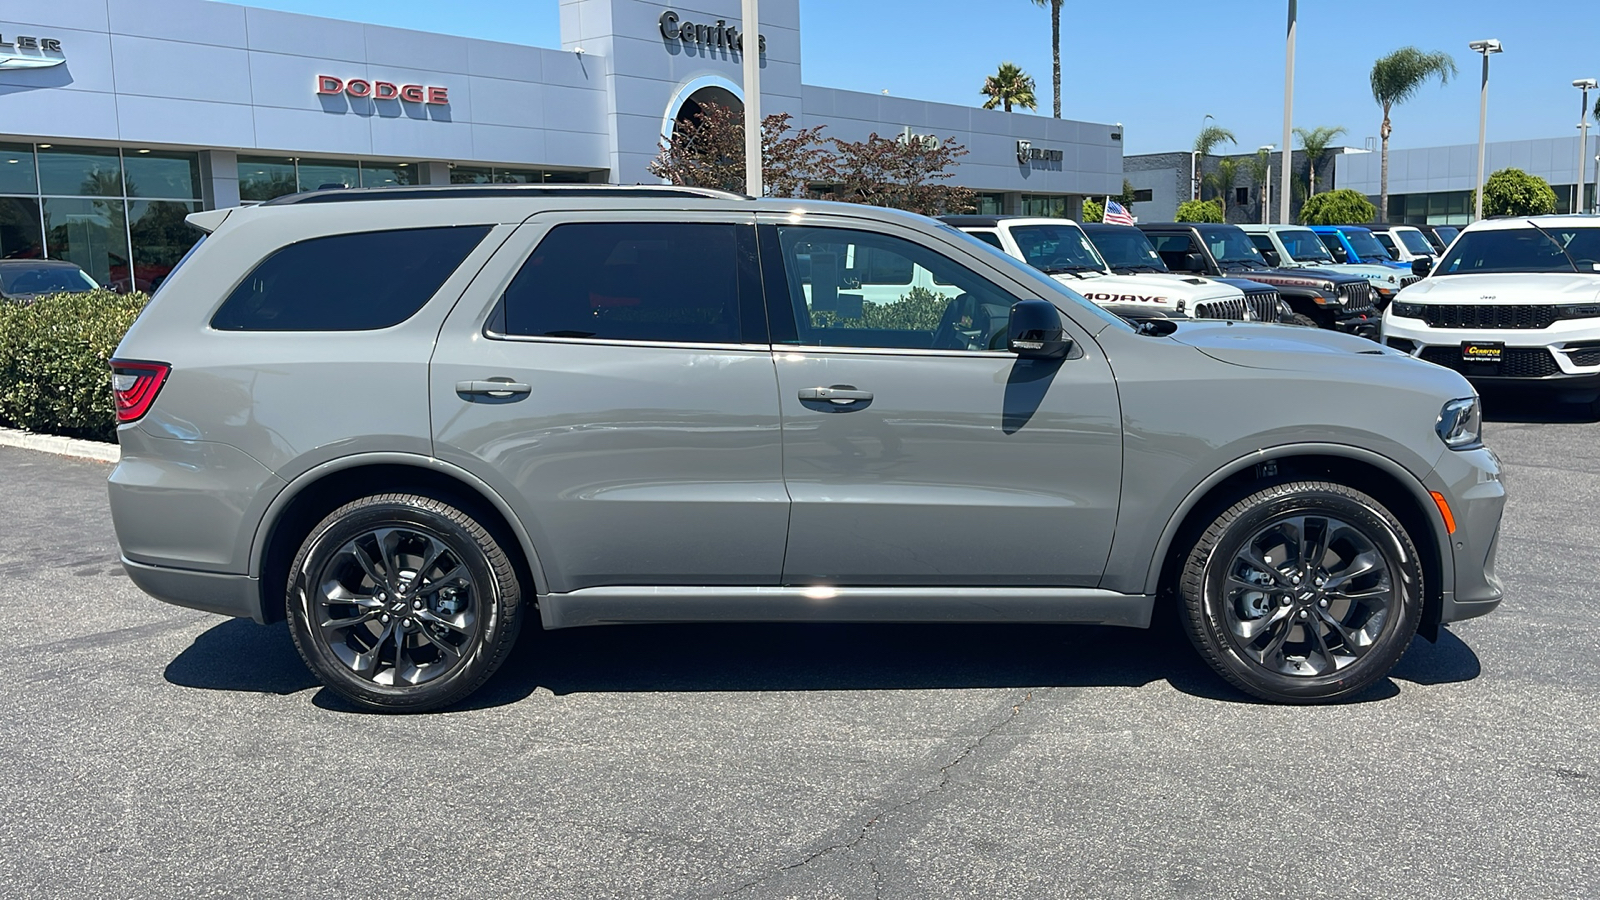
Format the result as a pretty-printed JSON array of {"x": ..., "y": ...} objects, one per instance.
[
  {"x": 241, "y": 656},
  {"x": 1544, "y": 407}
]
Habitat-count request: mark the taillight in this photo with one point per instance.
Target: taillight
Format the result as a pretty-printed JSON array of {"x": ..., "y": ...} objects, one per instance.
[{"x": 135, "y": 385}]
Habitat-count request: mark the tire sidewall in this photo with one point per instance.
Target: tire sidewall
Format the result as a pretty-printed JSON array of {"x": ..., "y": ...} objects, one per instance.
[
  {"x": 351, "y": 521},
  {"x": 1386, "y": 535}
]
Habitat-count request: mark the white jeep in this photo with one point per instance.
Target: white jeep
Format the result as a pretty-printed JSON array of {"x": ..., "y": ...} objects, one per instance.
[
  {"x": 1297, "y": 247},
  {"x": 1060, "y": 249},
  {"x": 1514, "y": 301}
]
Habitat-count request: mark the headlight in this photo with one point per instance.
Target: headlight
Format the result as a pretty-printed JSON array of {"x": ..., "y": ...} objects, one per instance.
[
  {"x": 1578, "y": 311},
  {"x": 1406, "y": 310},
  {"x": 1460, "y": 424}
]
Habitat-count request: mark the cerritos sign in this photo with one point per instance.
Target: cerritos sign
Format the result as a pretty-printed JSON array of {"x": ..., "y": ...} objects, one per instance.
[
  {"x": 716, "y": 36},
  {"x": 383, "y": 90},
  {"x": 27, "y": 52}
]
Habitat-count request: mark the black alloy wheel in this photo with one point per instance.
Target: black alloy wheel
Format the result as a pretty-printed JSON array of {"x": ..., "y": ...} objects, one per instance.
[
  {"x": 402, "y": 603},
  {"x": 1303, "y": 592}
]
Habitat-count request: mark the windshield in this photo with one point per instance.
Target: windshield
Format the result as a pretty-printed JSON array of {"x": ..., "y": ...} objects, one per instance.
[
  {"x": 1231, "y": 245},
  {"x": 1446, "y": 233},
  {"x": 45, "y": 280},
  {"x": 1304, "y": 246},
  {"x": 1057, "y": 248},
  {"x": 1365, "y": 245},
  {"x": 1522, "y": 250},
  {"x": 1128, "y": 248},
  {"x": 1415, "y": 242},
  {"x": 1044, "y": 286},
  {"x": 1388, "y": 244}
]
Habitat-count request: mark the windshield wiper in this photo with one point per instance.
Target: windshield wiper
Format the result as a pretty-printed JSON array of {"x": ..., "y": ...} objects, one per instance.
[
  {"x": 1136, "y": 269},
  {"x": 1570, "y": 261},
  {"x": 1069, "y": 270}
]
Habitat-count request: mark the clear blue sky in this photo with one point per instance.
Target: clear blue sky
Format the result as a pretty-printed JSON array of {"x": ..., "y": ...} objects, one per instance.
[{"x": 1157, "y": 66}]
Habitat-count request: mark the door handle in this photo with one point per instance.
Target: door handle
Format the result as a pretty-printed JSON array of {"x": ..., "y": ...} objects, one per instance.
[
  {"x": 840, "y": 394},
  {"x": 494, "y": 388}
]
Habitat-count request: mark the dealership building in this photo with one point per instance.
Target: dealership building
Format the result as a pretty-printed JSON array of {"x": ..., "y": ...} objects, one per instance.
[{"x": 119, "y": 117}]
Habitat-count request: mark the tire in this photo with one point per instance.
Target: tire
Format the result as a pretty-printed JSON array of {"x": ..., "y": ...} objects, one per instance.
[
  {"x": 1303, "y": 319},
  {"x": 1315, "y": 628},
  {"x": 402, "y": 603}
]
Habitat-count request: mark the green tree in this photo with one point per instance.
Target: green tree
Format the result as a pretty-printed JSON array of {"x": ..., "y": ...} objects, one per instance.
[
  {"x": 1315, "y": 142},
  {"x": 1055, "y": 48},
  {"x": 1227, "y": 172},
  {"x": 1198, "y": 211},
  {"x": 1341, "y": 207},
  {"x": 1126, "y": 197},
  {"x": 1513, "y": 192},
  {"x": 1010, "y": 85},
  {"x": 1397, "y": 78},
  {"x": 1210, "y": 138},
  {"x": 1259, "y": 168},
  {"x": 1093, "y": 212}
]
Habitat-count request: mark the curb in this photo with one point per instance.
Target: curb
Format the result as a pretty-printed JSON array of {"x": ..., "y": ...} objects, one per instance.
[{"x": 60, "y": 446}]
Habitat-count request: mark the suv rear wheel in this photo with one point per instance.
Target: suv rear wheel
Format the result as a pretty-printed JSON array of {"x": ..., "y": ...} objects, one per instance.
[
  {"x": 402, "y": 603},
  {"x": 1303, "y": 592}
]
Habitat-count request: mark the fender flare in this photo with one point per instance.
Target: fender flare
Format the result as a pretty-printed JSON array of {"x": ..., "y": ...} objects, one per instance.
[
  {"x": 1419, "y": 493},
  {"x": 297, "y": 485}
]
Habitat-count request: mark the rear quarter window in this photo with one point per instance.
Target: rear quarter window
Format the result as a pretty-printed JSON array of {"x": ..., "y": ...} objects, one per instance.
[{"x": 361, "y": 281}]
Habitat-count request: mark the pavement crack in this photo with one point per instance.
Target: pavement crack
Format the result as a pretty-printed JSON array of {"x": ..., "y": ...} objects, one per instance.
[{"x": 945, "y": 774}]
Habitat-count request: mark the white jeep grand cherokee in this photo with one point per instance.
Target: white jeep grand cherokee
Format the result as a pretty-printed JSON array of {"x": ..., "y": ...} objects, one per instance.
[{"x": 1513, "y": 301}]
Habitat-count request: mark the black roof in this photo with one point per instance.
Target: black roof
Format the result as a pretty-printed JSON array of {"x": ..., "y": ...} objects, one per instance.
[
  {"x": 1103, "y": 228},
  {"x": 1201, "y": 227},
  {"x": 434, "y": 192}
]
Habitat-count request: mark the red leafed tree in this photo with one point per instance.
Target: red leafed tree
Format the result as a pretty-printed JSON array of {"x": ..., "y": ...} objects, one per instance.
[
  {"x": 708, "y": 151},
  {"x": 902, "y": 173}
]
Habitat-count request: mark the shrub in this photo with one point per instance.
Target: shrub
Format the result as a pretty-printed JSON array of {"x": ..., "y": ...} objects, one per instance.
[
  {"x": 1093, "y": 211},
  {"x": 1341, "y": 207},
  {"x": 1513, "y": 192},
  {"x": 53, "y": 362},
  {"x": 1199, "y": 211}
]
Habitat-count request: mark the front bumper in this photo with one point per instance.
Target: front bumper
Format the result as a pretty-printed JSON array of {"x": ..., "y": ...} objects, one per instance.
[
  {"x": 1362, "y": 324},
  {"x": 1533, "y": 356},
  {"x": 1470, "y": 482}
]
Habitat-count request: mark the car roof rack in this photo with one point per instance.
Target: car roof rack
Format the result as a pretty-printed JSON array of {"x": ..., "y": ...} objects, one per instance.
[{"x": 442, "y": 191}]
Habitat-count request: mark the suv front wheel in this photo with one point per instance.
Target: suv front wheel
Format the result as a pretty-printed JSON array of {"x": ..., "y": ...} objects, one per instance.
[
  {"x": 402, "y": 603},
  {"x": 1303, "y": 592}
]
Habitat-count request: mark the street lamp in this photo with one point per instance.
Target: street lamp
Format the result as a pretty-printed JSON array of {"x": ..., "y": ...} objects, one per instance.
[
  {"x": 1266, "y": 184},
  {"x": 1584, "y": 84},
  {"x": 1485, "y": 47},
  {"x": 1288, "y": 113}
]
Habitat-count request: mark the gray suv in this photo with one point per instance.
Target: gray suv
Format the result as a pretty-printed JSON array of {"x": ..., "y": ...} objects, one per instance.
[{"x": 407, "y": 419}]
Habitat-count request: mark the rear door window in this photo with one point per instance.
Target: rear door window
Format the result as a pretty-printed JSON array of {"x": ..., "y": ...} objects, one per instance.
[
  {"x": 632, "y": 281},
  {"x": 347, "y": 282}
]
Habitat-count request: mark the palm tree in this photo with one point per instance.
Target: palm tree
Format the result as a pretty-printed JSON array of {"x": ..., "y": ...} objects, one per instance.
[
  {"x": 1010, "y": 85},
  {"x": 1222, "y": 179},
  {"x": 1260, "y": 169},
  {"x": 1396, "y": 78},
  {"x": 1209, "y": 138},
  {"x": 1055, "y": 48},
  {"x": 1315, "y": 142}
]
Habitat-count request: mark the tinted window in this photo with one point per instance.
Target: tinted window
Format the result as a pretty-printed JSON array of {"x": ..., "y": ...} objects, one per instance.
[
  {"x": 1364, "y": 244},
  {"x": 1415, "y": 242},
  {"x": 1127, "y": 248},
  {"x": 1303, "y": 246},
  {"x": 988, "y": 237},
  {"x": 945, "y": 307},
  {"x": 25, "y": 279},
  {"x": 1056, "y": 248},
  {"x": 1388, "y": 244},
  {"x": 347, "y": 282},
  {"x": 630, "y": 282},
  {"x": 1523, "y": 250}
]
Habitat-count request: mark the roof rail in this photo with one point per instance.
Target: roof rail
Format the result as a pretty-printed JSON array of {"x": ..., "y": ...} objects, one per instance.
[{"x": 441, "y": 191}]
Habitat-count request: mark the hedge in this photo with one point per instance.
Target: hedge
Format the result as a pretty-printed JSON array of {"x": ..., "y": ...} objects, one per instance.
[{"x": 54, "y": 376}]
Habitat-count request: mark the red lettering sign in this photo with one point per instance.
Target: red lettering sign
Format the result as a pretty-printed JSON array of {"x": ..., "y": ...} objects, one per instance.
[
  {"x": 358, "y": 87},
  {"x": 327, "y": 84},
  {"x": 412, "y": 93},
  {"x": 383, "y": 90},
  {"x": 438, "y": 95}
]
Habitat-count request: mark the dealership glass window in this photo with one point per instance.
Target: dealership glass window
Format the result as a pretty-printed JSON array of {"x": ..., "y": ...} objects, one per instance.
[
  {"x": 318, "y": 173},
  {"x": 160, "y": 238},
  {"x": 20, "y": 234},
  {"x": 471, "y": 175},
  {"x": 566, "y": 177},
  {"x": 17, "y": 172},
  {"x": 1041, "y": 205},
  {"x": 264, "y": 177},
  {"x": 93, "y": 233},
  {"x": 492, "y": 175},
  {"x": 379, "y": 175},
  {"x": 80, "y": 171},
  {"x": 991, "y": 204},
  {"x": 168, "y": 176}
]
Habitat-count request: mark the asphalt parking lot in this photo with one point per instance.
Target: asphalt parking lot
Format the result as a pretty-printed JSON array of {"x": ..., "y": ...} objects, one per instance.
[{"x": 152, "y": 751}]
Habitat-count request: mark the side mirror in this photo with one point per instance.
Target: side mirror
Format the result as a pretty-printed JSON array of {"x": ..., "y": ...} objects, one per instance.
[
  {"x": 1421, "y": 266},
  {"x": 1272, "y": 258},
  {"x": 1194, "y": 262},
  {"x": 1035, "y": 332}
]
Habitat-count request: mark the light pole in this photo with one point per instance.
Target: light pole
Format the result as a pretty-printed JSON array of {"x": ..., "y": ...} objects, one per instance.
[
  {"x": 1288, "y": 114},
  {"x": 1485, "y": 47},
  {"x": 1584, "y": 84},
  {"x": 1266, "y": 184},
  {"x": 752, "y": 98}
]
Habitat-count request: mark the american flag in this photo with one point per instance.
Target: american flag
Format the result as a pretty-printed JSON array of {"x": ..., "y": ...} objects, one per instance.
[{"x": 1116, "y": 214}]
